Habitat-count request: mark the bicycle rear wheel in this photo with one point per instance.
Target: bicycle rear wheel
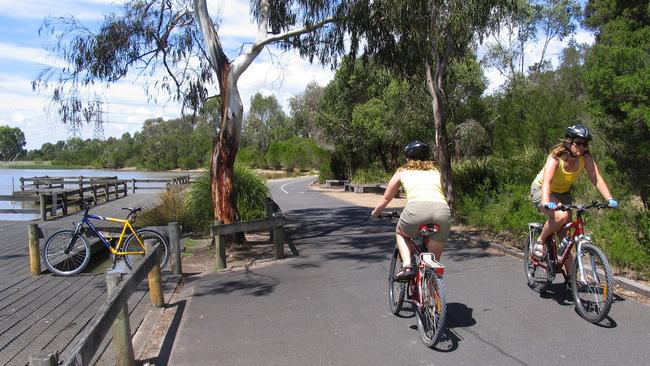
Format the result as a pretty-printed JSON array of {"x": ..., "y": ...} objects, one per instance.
[
  {"x": 136, "y": 247},
  {"x": 65, "y": 253},
  {"x": 432, "y": 313},
  {"x": 592, "y": 284},
  {"x": 538, "y": 275},
  {"x": 396, "y": 290}
]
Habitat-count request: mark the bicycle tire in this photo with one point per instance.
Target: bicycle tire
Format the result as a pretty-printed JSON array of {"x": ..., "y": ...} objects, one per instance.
[
  {"x": 431, "y": 316},
  {"x": 396, "y": 289},
  {"x": 133, "y": 245},
  {"x": 66, "y": 253},
  {"x": 593, "y": 291},
  {"x": 538, "y": 278}
]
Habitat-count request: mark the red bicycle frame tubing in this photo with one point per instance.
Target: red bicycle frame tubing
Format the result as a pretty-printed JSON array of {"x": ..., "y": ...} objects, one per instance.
[{"x": 578, "y": 229}]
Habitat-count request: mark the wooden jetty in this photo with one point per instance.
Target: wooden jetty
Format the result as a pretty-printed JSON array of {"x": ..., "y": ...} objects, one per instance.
[
  {"x": 46, "y": 313},
  {"x": 56, "y": 195}
]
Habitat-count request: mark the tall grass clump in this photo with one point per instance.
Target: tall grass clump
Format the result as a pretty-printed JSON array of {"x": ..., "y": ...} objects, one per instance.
[
  {"x": 251, "y": 191},
  {"x": 170, "y": 208},
  {"x": 371, "y": 175}
]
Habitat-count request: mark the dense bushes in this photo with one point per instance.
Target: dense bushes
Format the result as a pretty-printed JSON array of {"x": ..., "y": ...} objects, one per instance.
[
  {"x": 193, "y": 208},
  {"x": 493, "y": 192}
]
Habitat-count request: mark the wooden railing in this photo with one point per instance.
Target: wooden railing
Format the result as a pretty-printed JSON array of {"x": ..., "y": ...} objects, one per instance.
[
  {"x": 113, "y": 314},
  {"x": 54, "y": 195},
  {"x": 274, "y": 222}
]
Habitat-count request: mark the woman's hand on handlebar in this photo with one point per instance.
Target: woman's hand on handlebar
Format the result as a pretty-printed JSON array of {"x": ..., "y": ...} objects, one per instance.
[{"x": 387, "y": 215}]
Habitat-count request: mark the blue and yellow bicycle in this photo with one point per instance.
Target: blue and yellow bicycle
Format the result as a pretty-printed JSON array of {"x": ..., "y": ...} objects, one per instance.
[{"x": 67, "y": 252}]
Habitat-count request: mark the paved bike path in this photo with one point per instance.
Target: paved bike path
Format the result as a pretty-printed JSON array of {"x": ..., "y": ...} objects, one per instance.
[{"x": 329, "y": 305}]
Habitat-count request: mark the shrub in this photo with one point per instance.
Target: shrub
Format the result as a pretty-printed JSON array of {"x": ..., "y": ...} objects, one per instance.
[
  {"x": 170, "y": 208},
  {"x": 251, "y": 191},
  {"x": 371, "y": 175}
]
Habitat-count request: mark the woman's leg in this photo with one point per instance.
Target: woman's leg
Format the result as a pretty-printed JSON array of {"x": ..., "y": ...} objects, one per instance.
[
  {"x": 403, "y": 247},
  {"x": 556, "y": 219},
  {"x": 435, "y": 247}
]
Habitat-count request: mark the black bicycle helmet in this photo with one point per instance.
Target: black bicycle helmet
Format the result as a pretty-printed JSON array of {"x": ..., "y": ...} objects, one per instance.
[
  {"x": 577, "y": 131},
  {"x": 416, "y": 150}
]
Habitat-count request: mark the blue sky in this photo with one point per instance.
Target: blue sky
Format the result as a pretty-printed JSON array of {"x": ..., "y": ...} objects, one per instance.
[{"x": 23, "y": 54}]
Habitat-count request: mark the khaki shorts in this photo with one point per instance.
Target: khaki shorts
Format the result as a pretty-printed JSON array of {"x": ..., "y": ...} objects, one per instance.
[
  {"x": 536, "y": 196},
  {"x": 424, "y": 212}
]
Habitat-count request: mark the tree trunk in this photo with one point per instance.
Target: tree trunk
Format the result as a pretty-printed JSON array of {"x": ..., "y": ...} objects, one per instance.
[
  {"x": 434, "y": 83},
  {"x": 224, "y": 151}
]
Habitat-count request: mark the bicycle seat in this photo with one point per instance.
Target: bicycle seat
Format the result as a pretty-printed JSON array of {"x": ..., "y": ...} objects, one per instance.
[
  {"x": 428, "y": 229},
  {"x": 133, "y": 210}
]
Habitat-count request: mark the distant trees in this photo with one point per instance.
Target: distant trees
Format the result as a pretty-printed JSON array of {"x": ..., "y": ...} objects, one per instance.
[
  {"x": 12, "y": 141},
  {"x": 617, "y": 75}
]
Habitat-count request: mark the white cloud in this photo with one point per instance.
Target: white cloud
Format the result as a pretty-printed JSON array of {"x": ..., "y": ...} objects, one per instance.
[
  {"x": 38, "y": 9},
  {"x": 39, "y": 56}
]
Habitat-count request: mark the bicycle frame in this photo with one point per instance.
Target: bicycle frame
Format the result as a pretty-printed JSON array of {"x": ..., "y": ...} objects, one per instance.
[
  {"x": 420, "y": 254},
  {"x": 577, "y": 235},
  {"x": 126, "y": 225}
]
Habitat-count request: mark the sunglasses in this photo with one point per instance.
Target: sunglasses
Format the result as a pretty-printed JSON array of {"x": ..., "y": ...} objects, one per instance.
[{"x": 581, "y": 143}]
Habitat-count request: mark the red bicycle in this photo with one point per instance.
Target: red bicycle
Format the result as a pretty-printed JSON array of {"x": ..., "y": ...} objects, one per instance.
[
  {"x": 426, "y": 291},
  {"x": 591, "y": 281}
]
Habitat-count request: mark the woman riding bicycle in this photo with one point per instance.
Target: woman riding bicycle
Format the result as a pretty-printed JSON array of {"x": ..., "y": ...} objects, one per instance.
[
  {"x": 552, "y": 186},
  {"x": 426, "y": 204}
]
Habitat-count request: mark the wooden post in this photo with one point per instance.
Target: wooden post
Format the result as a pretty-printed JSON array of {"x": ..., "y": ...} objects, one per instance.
[
  {"x": 64, "y": 202},
  {"x": 81, "y": 188},
  {"x": 41, "y": 198},
  {"x": 34, "y": 249},
  {"x": 121, "y": 328},
  {"x": 126, "y": 191},
  {"x": 133, "y": 185},
  {"x": 155, "y": 284},
  {"x": 175, "y": 248},
  {"x": 278, "y": 243},
  {"x": 106, "y": 191},
  {"x": 55, "y": 202},
  {"x": 268, "y": 204},
  {"x": 220, "y": 246},
  {"x": 117, "y": 194},
  {"x": 22, "y": 183},
  {"x": 43, "y": 359},
  {"x": 94, "y": 193}
]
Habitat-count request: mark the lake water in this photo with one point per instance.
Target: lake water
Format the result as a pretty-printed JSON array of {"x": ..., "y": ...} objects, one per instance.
[{"x": 10, "y": 182}]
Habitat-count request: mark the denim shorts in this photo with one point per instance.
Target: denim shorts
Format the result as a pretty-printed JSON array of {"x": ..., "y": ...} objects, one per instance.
[
  {"x": 424, "y": 212},
  {"x": 536, "y": 196}
]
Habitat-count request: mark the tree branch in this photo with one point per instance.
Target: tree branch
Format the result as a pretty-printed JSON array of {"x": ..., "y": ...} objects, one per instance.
[{"x": 243, "y": 61}]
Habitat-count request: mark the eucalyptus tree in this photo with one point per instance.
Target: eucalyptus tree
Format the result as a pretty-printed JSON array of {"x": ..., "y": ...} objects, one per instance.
[
  {"x": 617, "y": 80},
  {"x": 529, "y": 22},
  {"x": 12, "y": 142},
  {"x": 177, "y": 47},
  {"x": 425, "y": 37}
]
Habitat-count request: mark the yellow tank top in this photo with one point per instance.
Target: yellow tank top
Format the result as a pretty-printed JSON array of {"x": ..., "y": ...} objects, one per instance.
[
  {"x": 562, "y": 180},
  {"x": 423, "y": 185}
]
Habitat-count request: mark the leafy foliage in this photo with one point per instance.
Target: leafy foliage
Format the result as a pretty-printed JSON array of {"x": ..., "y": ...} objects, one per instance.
[
  {"x": 251, "y": 193},
  {"x": 617, "y": 78},
  {"x": 12, "y": 141}
]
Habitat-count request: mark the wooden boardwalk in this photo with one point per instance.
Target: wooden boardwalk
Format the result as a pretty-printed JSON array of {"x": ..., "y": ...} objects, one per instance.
[{"x": 48, "y": 313}]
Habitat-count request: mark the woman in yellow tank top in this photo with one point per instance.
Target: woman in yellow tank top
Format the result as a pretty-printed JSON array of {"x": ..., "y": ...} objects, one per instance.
[
  {"x": 426, "y": 204},
  {"x": 552, "y": 185}
]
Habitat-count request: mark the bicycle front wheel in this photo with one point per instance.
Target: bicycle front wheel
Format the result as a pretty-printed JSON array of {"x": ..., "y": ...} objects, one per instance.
[
  {"x": 135, "y": 248},
  {"x": 592, "y": 284},
  {"x": 66, "y": 253},
  {"x": 432, "y": 313},
  {"x": 538, "y": 276},
  {"x": 396, "y": 289}
]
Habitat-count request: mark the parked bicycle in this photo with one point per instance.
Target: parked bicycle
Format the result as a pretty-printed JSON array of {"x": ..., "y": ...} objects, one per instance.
[
  {"x": 426, "y": 291},
  {"x": 67, "y": 252},
  {"x": 591, "y": 282}
]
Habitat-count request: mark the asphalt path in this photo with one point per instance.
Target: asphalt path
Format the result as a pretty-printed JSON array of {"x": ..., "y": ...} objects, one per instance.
[{"x": 329, "y": 305}]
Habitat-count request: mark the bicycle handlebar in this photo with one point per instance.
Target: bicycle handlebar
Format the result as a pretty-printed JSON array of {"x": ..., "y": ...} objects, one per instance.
[
  {"x": 579, "y": 207},
  {"x": 387, "y": 215}
]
